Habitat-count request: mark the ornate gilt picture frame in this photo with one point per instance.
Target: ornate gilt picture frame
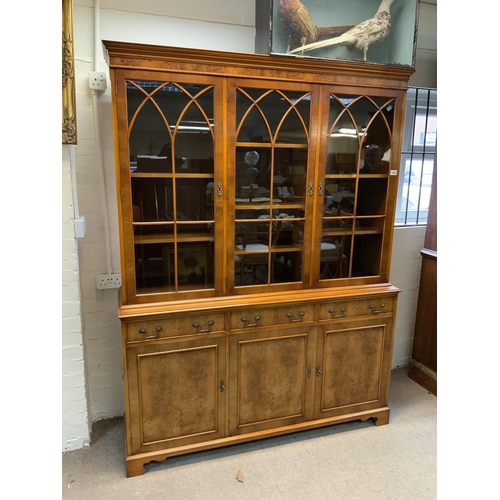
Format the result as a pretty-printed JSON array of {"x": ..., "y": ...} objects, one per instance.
[{"x": 68, "y": 75}]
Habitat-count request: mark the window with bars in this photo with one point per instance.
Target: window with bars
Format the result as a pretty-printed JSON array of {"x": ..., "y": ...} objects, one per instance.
[{"x": 417, "y": 157}]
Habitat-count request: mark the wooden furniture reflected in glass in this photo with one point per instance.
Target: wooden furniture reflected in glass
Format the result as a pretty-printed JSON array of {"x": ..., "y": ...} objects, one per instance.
[{"x": 255, "y": 246}]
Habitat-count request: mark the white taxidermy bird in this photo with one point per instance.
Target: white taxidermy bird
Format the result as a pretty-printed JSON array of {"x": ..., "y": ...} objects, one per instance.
[{"x": 363, "y": 35}]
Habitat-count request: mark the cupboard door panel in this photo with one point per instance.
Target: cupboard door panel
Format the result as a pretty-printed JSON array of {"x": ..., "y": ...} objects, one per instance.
[
  {"x": 175, "y": 395},
  {"x": 353, "y": 368},
  {"x": 271, "y": 382}
]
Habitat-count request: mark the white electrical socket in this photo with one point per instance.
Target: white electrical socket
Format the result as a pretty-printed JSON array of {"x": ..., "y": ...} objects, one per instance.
[
  {"x": 97, "y": 80},
  {"x": 104, "y": 281}
]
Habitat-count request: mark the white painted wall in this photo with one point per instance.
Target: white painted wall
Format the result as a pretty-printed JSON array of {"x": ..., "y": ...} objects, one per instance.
[
  {"x": 218, "y": 25},
  {"x": 75, "y": 420}
]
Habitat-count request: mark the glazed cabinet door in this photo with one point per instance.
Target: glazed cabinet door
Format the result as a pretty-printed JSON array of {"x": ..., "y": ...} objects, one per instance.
[
  {"x": 175, "y": 393},
  {"x": 271, "y": 382},
  {"x": 353, "y": 367},
  {"x": 170, "y": 130},
  {"x": 272, "y": 131},
  {"x": 358, "y": 168}
]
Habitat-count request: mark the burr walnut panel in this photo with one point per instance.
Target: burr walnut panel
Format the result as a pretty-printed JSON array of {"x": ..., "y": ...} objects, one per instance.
[
  {"x": 159, "y": 379},
  {"x": 348, "y": 355},
  {"x": 353, "y": 369},
  {"x": 270, "y": 379}
]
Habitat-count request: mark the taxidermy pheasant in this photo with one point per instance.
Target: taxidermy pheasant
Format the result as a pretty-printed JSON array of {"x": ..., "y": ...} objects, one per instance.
[
  {"x": 374, "y": 30},
  {"x": 300, "y": 27}
]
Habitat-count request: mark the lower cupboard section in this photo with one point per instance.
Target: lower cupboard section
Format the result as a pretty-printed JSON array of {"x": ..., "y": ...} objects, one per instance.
[{"x": 221, "y": 389}]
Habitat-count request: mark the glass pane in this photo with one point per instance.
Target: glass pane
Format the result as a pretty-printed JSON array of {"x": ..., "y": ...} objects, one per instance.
[
  {"x": 339, "y": 197},
  {"x": 195, "y": 264},
  {"x": 152, "y": 199},
  {"x": 194, "y": 199},
  {"x": 272, "y": 116},
  {"x": 334, "y": 258},
  {"x": 287, "y": 247},
  {"x": 152, "y": 272},
  {"x": 290, "y": 174},
  {"x": 253, "y": 175},
  {"x": 252, "y": 253},
  {"x": 156, "y": 269},
  {"x": 366, "y": 255},
  {"x": 276, "y": 175},
  {"x": 371, "y": 196},
  {"x": 194, "y": 140},
  {"x": 417, "y": 183}
]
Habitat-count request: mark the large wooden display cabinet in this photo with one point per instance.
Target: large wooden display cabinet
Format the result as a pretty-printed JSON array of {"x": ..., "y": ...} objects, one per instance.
[{"x": 256, "y": 230}]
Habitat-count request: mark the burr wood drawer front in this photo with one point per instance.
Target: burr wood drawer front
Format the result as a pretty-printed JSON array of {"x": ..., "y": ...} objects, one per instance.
[
  {"x": 178, "y": 326},
  {"x": 271, "y": 316},
  {"x": 354, "y": 307}
]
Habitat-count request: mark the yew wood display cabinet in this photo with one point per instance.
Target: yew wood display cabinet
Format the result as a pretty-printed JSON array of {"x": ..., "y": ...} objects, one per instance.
[{"x": 256, "y": 206}]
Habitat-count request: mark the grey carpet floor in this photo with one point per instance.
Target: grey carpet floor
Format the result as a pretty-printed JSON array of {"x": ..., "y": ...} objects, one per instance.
[{"x": 355, "y": 461}]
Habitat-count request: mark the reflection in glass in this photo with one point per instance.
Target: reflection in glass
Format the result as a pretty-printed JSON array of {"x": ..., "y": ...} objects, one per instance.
[
  {"x": 194, "y": 199},
  {"x": 152, "y": 199},
  {"x": 268, "y": 251},
  {"x": 276, "y": 175},
  {"x": 151, "y": 268},
  {"x": 334, "y": 258},
  {"x": 367, "y": 254},
  {"x": 371, "y": 199},
  {"x": 194, "y": 266}
]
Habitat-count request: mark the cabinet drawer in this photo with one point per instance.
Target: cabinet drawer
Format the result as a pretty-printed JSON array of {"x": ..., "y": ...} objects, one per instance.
[
  {"x": 175, "y": 327},
  {"x": 352, "y": 308},
  {"x": 271, "y": 316}
]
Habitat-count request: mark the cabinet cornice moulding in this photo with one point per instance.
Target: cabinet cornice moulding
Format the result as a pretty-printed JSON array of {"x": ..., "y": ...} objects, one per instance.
[{"x": 307, "y": 69}]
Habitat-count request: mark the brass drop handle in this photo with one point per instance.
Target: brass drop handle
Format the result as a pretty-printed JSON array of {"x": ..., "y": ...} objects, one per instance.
[
  {"x": 222, "y": 386},
  {"x": 318, "y": 371},
  {"x": 197, "y": 325},
  {"x": 342, "y": 311},
  {"x": 372, "y": 307},
  {"x": 244, "y": 320},
  {"x": 158, "y": 329},
  {"x": 289, "y": 316}
]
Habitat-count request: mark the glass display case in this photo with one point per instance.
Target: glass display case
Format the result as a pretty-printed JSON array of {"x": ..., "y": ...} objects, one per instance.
[{"x": 375, "y": 31}]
